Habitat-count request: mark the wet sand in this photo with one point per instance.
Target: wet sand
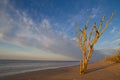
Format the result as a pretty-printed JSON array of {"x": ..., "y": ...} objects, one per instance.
[{"x": 99, "y": 70}]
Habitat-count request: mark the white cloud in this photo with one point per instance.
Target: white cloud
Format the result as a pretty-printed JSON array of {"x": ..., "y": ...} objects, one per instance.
[
  {"x": 95, "y": 12},
  {"x": 1, "y": 35},
  {"x": 82, "y": 16},
  {"x": 45, "y": 23},
  {"x": 116, "y": 32},
  {"x": 113, "y": 30},
  {"x": 116, "y": 43},
  {"x": 117, "y": 40},
  {"x": 21, "y": 30}
]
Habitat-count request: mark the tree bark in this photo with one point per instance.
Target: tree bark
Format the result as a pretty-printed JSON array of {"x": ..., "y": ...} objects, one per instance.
[
  {"x": 83, "y": 66},
  {"x": 86, "y": 42}
]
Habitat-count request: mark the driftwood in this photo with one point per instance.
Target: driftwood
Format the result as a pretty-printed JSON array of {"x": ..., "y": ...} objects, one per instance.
[{"x": 87, "y": 42}]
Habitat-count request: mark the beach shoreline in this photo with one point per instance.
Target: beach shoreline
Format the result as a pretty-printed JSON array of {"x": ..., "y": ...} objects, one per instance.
[
  {"x": 12, "y": 67},
  {"x": 37, "y": 70},
  {"x": 96, "y": 71}
]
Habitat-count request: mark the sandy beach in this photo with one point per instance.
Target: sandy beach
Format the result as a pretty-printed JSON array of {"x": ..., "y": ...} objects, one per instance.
[{"x": 96, "y": 71}]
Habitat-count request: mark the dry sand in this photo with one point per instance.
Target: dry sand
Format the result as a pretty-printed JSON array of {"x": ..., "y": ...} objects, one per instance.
[{"x": 96, "y": 71}]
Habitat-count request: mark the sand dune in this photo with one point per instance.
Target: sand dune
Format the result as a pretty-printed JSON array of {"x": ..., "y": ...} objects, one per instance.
[{"x": 96, "y": 71}]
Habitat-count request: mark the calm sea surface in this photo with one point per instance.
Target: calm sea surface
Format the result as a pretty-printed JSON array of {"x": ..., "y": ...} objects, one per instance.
[{"x": 10, "y": 67}]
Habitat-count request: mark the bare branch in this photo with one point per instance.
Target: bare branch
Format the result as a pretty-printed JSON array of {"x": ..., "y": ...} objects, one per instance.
[
  {"x": 86, "y": 25},
  {"x": 80, "y": 41},
  {"x": 90, "y": 52},
  {"x": 97, "y": 35},
  {"x": 78, "y": 29},
  {"x": 90, "y": 35},
  {"x": 101, "y": 22},
  {"x": 86, "y": 44},
  {"x": 95, "y": 28},
  {"x": 107, "y": 22}
]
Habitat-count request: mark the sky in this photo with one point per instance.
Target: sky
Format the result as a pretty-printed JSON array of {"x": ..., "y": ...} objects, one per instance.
[{"x": 44, "y": 29}]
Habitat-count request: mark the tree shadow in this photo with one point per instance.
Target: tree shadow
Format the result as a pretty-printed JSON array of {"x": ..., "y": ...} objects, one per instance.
[{"x": 98, "y": 68}]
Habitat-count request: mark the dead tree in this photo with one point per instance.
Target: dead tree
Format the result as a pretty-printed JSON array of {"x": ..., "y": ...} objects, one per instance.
[{"x": 87, "y": 42}]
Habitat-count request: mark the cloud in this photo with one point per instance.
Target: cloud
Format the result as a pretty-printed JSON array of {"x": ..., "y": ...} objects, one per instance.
[
  {"x": 95, "y": 12},
  {"x": 116, "y": 32},
  {"x": 17, "y": 27},
  {"x": 116, "y": 43},
  {"x": 45, "y": 23},
  {"x": 83, "y": 15},
  {"x": 20, "y": 29},
  {"x": 117, "y": 40},
  {"x": 113, "y": 30}
]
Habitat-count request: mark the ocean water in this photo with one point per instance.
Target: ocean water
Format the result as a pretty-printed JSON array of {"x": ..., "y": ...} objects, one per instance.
[{"x": 10, "y": 67}]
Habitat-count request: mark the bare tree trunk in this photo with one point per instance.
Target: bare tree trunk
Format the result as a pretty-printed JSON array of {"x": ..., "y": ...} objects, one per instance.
[
  {"x": 83, "y": 66},
  {"x": 86, "y": 42}
]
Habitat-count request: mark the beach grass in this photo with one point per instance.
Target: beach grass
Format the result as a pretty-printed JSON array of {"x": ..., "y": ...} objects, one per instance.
[{"x": 114, "y": 58}]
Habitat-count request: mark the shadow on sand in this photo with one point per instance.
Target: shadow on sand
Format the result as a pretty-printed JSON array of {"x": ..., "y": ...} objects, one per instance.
[{"x": 99, "y": 68}]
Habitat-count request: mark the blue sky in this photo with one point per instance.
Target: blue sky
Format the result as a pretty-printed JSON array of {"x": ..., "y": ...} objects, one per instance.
[{"x": 43, "y": 29}]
